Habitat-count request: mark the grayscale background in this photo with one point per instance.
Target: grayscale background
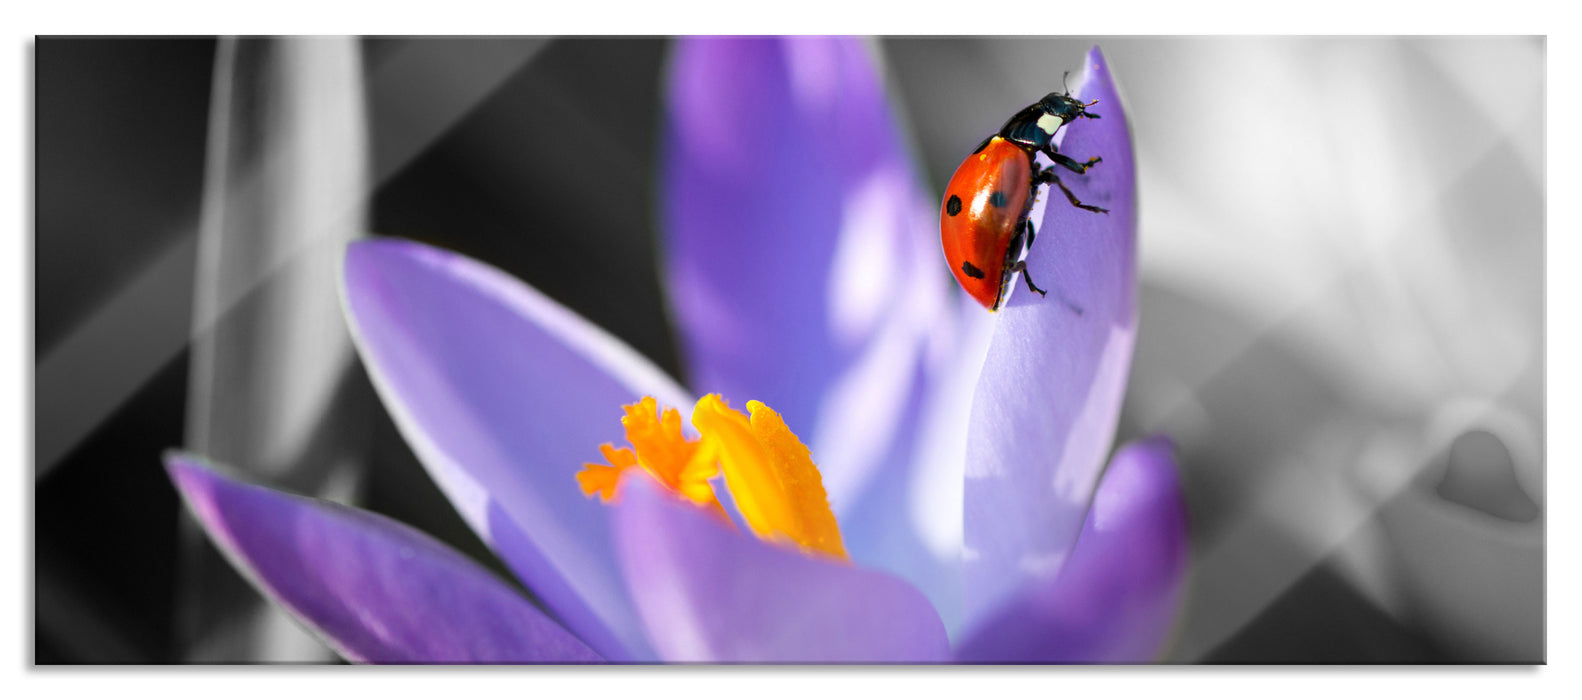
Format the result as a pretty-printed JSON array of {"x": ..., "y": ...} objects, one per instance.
[{"x": 1342, "y": 275}]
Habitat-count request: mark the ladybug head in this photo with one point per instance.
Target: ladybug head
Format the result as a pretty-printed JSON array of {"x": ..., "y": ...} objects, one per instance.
[
  {"x": 1066, "y": 107},
  {"x": 1033, "y": 128}
]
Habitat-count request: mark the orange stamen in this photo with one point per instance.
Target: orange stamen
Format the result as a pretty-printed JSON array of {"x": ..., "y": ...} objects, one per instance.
[
  {"x": 601, "y": 479},
  {"x": 768, "y": 470},
  {"x": 661, "y": 450}
]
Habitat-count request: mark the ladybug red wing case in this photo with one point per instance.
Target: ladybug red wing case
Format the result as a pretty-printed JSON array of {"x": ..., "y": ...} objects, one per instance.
[
  {"x": 985, "y": 208},
  {"x": 983, "y": 220}
]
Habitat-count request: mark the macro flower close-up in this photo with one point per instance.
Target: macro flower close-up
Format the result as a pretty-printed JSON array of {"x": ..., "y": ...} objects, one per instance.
[
  {"x": 820, "y": 350},
  {"x": 950, "y": 499}
]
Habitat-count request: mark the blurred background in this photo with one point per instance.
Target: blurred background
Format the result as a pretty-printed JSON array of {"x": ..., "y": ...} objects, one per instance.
[{"x": 1342, "y": 310}]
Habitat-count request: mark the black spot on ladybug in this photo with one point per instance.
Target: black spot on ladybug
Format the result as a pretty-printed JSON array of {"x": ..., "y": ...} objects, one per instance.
[
  {"x": 971, "y": 270},
  {"x": 997, "y": 199},
  {"x": 953, "y": 207}
]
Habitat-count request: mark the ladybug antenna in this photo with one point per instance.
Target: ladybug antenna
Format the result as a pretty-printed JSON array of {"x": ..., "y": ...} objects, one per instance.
[{"x": 1063, "y": 82}]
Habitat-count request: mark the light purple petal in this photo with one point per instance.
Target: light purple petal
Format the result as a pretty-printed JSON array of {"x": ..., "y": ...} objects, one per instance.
[
  {"x": 504, "y": 394},
  {"x": 709, "y": 593},
  {"x": 376, "y": 590},
  {"x": 1116, "y": 598},
  {"x": 799, "y": 247},
  {"x": 803, "y": 267},
  {"x": 1050, "y": 393}
]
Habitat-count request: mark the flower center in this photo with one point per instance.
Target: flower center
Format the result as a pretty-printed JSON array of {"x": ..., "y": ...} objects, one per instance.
[{"x": 767, "y": 469}]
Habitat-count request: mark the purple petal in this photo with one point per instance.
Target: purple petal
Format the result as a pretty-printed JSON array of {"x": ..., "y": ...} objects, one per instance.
[
  {"x": 804, "y": 270},
  {"x": 799, "y": 246},
  {"x": 1117, "y": 596},
  {"x": 504, "y": 394},
  {"x": 376, "y": 590},
  {"x": 709, "y": 593},
  {"x": 1050, "y": 393}
]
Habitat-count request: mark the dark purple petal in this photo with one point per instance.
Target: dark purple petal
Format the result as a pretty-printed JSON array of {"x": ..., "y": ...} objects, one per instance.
[
  {"x": 1050, "y": 393},
  {"x": 1117, "y": 596},
  {"x": 504, "y": 394},
  {"x": 374, "y": 589},
  {"x": 709, "y": 593},
  {"x": 800, "y": 250}
]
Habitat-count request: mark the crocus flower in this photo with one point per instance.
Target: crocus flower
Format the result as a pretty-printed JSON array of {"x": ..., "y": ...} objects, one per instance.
[{"x": 963, "y": 454}]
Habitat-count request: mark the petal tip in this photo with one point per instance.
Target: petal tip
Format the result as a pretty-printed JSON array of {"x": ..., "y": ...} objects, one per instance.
[
  {"x": 1150, "y": 464},
  {"x": 1096, "y": 65},
  {"x": 1160, "y": 442},
  {"x": 204, "y": 488},
  {"x": 362, "y": 253},
  {"x": 1096, "y": 56},
  {"x": 190, "y": 474},
  {"x": 370, "y": 256}
]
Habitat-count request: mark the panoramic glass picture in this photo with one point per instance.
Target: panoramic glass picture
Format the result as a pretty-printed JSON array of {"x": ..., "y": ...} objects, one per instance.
[{"x": 789, "y": 350}]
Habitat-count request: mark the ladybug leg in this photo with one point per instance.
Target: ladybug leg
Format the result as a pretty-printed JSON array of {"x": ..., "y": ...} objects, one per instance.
[
  {"x": 1021, "y": 266},
  {"x": 1030, "y": 233},
  {"x": 1063, "y": 161},
  {"x": 1050, "y": 177}
]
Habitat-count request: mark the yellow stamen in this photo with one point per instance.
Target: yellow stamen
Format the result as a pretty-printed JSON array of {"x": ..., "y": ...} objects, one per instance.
[
  {"x": 770, "y": 474},
  {"x": 768, "y": 470}
]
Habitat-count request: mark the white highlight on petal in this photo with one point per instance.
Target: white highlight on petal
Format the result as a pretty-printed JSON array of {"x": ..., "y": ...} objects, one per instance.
[
  {"x": 863, "y": 275},
  {"x": 1075, "y": 485},
  {"x": 886, "y": 297},
  {"x": 1040, "y": 566},
  {"x": 937, "y": 498},
  {"x": 861, "y": 412}
]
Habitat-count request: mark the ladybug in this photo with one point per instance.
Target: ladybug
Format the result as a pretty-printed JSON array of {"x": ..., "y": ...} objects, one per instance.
[{"x": 983, "y": 222}]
